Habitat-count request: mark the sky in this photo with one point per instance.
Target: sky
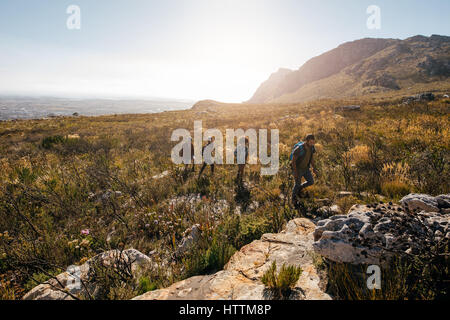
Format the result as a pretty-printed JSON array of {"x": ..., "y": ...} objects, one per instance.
[{"x": 185, "y": 49}]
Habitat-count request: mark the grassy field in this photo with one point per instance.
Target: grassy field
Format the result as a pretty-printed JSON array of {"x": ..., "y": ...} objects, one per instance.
[{"x": 62, "y": 176}]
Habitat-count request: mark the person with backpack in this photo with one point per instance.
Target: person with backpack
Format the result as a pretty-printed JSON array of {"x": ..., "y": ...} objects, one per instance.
[
  {"x": 210, "y": 142},
  {"x": 241, "y": 166},
  {"x": 189, "y": 145},
  {"x": 302, "y": 158}
]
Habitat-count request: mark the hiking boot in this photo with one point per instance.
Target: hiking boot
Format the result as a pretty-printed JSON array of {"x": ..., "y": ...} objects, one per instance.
[{"x": 295, "y": 203}]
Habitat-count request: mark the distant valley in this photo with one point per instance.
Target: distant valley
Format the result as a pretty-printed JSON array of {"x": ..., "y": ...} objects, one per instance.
[{"x": 12, "y": 107}]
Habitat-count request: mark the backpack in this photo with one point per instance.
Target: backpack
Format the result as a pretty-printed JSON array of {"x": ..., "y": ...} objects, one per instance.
[{"x": 300, "y": 145}]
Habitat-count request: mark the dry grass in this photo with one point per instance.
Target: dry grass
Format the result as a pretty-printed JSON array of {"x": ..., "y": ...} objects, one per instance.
[{"x": 52, "y": 187}]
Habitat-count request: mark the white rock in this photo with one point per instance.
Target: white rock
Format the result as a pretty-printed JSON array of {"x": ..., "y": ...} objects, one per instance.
[
  {"x": 63, "y": 288},
  {"x": 416, "y": 201}
]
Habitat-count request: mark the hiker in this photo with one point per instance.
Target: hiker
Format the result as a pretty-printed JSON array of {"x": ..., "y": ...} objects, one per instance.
[
  {"x": 189, "y": 144},
  {"x": 302, "y": 160},
  {"x": 241, "y": 166},
  {"x": 210, "y": 141}
]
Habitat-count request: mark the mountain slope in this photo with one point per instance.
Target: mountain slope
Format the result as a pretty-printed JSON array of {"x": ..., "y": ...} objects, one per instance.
[{"x": 362, "y": 67}]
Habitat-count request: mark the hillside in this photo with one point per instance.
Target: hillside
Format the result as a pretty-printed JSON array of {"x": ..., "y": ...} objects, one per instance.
[
  {"x": 362, "y": 67},
  {"x": 75, "y": 188}
]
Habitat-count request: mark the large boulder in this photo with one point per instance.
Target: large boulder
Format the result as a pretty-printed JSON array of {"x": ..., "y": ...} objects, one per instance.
[
  {"x": 372, "y": 234},
  {"x": 241, "y": 277},
  {"x": 415, "y": 201},
  {"x": 75, "y": 282}
]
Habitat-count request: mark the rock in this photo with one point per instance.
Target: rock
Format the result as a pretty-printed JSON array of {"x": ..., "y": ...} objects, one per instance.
[
  {"x": 419, "y": 97},
  {"x": 65, "y": 287},
  {"x": 426, "y": 96},
  {"x": 349, "y": 108},
  {"x": 327, "y": 211},
  {"x": 324, "y": 202},
  {"x": 161, "y": 175},
  {"x": 371, "y": 234},
  {"x": 385, "y": 81},
  {"x": 191, "y": 236},
  {"x": 241, "y": 277},
  {"x": 416, "y": 201},
  {"x": 443, "y": 201},
  {"x": 104, "y": 196},
  {"x": 218, "y": 207},
  {"x": 342, "y": 194}
]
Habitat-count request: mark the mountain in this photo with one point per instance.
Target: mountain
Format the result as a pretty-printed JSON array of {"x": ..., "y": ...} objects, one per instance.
[{"x": 362, "y": 67}]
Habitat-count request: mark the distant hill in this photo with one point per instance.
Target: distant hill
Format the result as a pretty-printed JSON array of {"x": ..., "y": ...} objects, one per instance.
[{"x": 366, "y": 66}]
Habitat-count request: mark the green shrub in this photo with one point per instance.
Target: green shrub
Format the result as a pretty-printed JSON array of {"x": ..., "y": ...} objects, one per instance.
[
  {"x": 49, "y": 142},
  {"x": 281, "y": 284},
  {"x": 218, "y": 254},
  {"x": 35, "y": 280},
  {"x": 403, "y": 278},
  {"x": 251, "y": 228},
  {"x": 146, "y": 285}
]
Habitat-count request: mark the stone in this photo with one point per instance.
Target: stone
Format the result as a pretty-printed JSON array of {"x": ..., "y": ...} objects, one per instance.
[
  {"x": 416, "y": 201},
  {"x": 372, "y": 234},
  {"x": 349, "y": 108},
  {"x": 161, "y": 175},
  {"x": 191, "y": 236},
  {"x": 241, "y": 277},
  {"x": 327, "y": 211},
  {"x": 62, "y": 286},
  {"x": 342, "y": 194},
  {"x": 104, "y": 196},
  {"x": 419, "y": 97},
  {"x": 443, "y": 201}
]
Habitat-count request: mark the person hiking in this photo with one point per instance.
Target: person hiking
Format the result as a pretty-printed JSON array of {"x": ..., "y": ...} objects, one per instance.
[
  {"x": 241, "y": 166},
  {"x": 302, "y": 159},
  {"x": 210, "y": 142},
  {"x": 188, "y": 145}
]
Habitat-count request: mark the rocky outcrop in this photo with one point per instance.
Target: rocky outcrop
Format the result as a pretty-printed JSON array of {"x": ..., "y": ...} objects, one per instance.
[
  {"x": 423, "y": 202},
  {"x": 190, "y": 238},
  {"x": 76, "y": 281},
  {"x": 241, "y": 277},
  {"x": 327, "y": 211},
  {"x": 385, "y": 80},
  {"x": 419, "y": 97},
  {"x": 371, "y": 234},
  {"x": 349, "y": 108}
]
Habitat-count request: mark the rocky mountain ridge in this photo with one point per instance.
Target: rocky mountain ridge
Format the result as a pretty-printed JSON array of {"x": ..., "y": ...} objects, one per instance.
[{"x": 362, "y": 67}]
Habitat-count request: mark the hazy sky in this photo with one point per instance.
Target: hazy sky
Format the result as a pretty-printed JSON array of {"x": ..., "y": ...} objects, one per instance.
[{"x": 188, "y": 49}]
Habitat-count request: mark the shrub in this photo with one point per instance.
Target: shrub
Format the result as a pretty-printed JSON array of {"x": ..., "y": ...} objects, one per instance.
[
  {"x": 403, "y": 278},
  {"x": 395, "y": 189},
  {"x": 345, "y": 203},
  {"x": 251, "y": 228},
  {"x": 281, "y": 284},
  {"x": 218, "y": 254},
  {"x": 35, "y": 280},
  {"x": 7, "y": 292},
  {"x": 49, "y": 142},
  {"x": 146, "y": 285}
]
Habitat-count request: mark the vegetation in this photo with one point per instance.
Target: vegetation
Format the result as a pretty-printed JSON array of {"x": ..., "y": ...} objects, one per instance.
[
  {"x": 77, "y": 186},
  {"x": 405, "y": 278},
  {"x": 281, "y": 284}
]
